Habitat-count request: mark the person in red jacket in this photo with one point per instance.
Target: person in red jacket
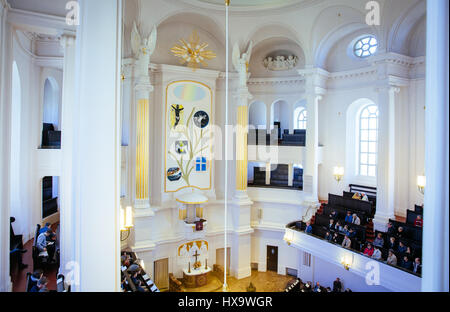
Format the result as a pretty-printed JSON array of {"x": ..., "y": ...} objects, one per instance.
[
  {"x": 419, "y": 221},
  {"x": 369, "y": 250}
]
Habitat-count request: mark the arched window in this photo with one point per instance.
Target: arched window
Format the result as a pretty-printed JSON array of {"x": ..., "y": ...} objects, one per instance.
[
  {"x": 368, "y": 141},
  {"x": 301, "y": 118}
]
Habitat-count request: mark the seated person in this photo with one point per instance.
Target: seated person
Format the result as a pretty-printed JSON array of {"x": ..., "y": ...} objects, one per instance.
[
  {"x": 364, "y": 197},
  {"x": 417, "y": 266},
  {"x": 337, "y": 285},
  {"x": 123, "y": 283},
  {"x": 126, "y": 260},
  {"x": 379, "y": 241},
  {"x": 137, "y": 282},
  {"x": 408, "y": 252},
  {"x": 356, "y": 196},
  {"x": 348, "y": 217},
  {"x": 345, "y": 230},
  {"x": 317, "y": 288},
  {"x": 351, "y": 233},
  {"x": 369, "y": 250},
  {"x": 41, "y": 285},
  {"x": 45, "y": 229},
  {"x": 328, "y": 236},
  {"x": 335, "y": 238},
  {"x": 400, "y": 232},
  {"x": 356, "y": 220},
  {"x": 390, "y": 229},
  {"x": 401, "y": 248},
  {"x": 334, "y": 215},
  {"x": 43, "y": 244},
  {"x": 392, "y": 243},
  {"x": 347, "y": 243},
  {"x": 406, "y": 263},
  {"x": 34, "y": 278},
  {"x": 392, "y": 258},
  {"x": 328, "y": 289},
  {"x": 338, "y": 227},
  {"x": 419, "y": 221},
  {"x": 308, "y": 229},
  {"x": 376, "y": 254},
  {"x": 331, "y": 225}
]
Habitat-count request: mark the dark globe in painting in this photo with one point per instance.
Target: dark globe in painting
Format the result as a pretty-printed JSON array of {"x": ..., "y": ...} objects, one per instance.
[{"x": 201, "y": 119}]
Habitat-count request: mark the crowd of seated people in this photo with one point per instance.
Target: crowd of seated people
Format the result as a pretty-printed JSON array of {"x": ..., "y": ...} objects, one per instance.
[
  {"x": 400, "y": 246},
  {"x": 299, "y": 286},
  {"x": 133, "y": 276}
]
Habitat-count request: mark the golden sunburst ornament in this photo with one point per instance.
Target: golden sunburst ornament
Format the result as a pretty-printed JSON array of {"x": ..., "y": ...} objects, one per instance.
[{"x": 193, "y": 53}]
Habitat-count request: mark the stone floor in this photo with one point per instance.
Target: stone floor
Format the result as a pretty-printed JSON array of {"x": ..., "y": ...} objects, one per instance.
[{"x": 263, "y": 281}]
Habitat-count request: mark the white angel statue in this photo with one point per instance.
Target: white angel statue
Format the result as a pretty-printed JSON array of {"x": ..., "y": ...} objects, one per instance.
[
  {"x": 142, "y": 50},
  {"x": 241, "y": 63}
]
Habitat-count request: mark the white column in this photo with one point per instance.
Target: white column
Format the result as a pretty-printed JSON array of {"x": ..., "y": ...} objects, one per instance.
[
  {"x": 241, "y": 146},
  {"x": 5, "y": 144},
  {"x": 436, "y": 204},
  {"x": 268, "y": 173},
  {"x": 315, "y": 83},
  {"x": 96, "y": 157},
  {"x": 386, "y": 156},
  {"x": 140, "y": 161},
  {"x": 67, "y": 140},
  {"x": 291, "y": 175}
]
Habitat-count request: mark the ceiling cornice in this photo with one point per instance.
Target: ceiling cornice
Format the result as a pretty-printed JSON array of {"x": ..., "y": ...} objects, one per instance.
[{"x": 39, "y": 23}]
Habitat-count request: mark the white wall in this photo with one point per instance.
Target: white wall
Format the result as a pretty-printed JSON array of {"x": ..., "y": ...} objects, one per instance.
[{"x": 326, "y": 273}]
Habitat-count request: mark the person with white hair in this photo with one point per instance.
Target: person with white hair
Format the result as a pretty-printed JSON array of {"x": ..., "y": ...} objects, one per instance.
[{"x": 356, "y": 220}]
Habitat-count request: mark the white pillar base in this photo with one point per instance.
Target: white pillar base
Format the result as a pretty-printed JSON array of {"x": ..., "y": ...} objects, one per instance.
[
  {"x": 142, "y": 204},
  {"x": 242, "y": 199}
]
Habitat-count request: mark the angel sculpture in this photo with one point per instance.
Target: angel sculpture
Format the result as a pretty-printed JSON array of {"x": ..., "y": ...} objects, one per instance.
[
  {"x": 142, "y": 50},
  {"x": 241, "y": 63}
]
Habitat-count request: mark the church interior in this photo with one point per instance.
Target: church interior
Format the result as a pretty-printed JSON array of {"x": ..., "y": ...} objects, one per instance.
[{"x": 224, "y": 145}]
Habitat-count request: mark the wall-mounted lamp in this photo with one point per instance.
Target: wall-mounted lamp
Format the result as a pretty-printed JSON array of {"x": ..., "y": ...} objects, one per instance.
[
  {"x": 421, "y": 184},
  {"x": 126, "y": 222},
  {"x": 289, "y": 237},
  {"x": 347, "y": 262},
  {"x": 338, "y": 173}
]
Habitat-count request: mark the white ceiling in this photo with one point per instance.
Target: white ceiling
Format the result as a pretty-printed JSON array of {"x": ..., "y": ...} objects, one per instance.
[
  {"x": 245, "y": 4},
  {"x": 50, "y": 7}
]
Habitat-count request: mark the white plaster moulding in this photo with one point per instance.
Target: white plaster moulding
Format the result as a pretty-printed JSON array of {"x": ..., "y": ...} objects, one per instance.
[
  {"x": 42, "y": 61},
  {"x": 39, "y": 23}
]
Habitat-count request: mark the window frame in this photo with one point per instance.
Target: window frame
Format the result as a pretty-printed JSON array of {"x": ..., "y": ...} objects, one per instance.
[
  {"x": 301, "y": 112},
  {"x": 371, "y": 46},
  {"x": 368, "y": 153}
]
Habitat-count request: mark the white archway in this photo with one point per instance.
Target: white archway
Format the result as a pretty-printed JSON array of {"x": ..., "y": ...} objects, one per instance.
[
  {"x": 51, "y": 107},
  {"x": 281, "y": 112},
  {"x": 17, "y": 209},
  {"x": 257, "y": 115}
]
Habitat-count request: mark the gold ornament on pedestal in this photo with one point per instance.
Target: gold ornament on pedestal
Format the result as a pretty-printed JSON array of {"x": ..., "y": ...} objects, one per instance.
[{"x": 192, "y": 52}]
